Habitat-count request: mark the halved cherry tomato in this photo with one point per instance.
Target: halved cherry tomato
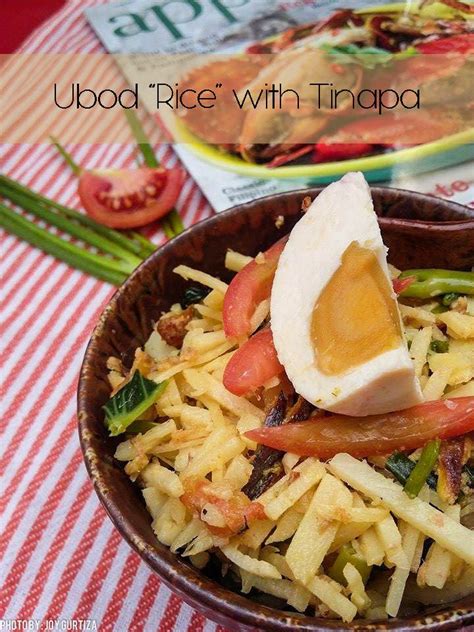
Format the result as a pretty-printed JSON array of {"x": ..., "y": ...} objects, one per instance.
[
  {"x": 247, "y": 289},
  {"x": 237, "y": 511},
  {"x": 373, "y": 435},
  {"x": 123, "y": 198},
  {"x": 253, "y": 364}
]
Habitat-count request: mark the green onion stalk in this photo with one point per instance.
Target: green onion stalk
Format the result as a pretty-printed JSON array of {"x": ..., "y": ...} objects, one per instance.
[
  {"x": 75, "y": 229},
  {"x": 115, "y": 255},
  {"x": 429, "y": 283},
  {"x": 73, "y": 166},
  {"x": 10, "y": 188},
  {"x": 422, "y": 470},
  {"x": 114, "y": 271},
  {"x": 401, "y": 467}
]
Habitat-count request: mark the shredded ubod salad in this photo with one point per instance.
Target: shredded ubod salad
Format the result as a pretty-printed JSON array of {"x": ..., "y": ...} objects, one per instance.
[{"x": 323, "y": 491}]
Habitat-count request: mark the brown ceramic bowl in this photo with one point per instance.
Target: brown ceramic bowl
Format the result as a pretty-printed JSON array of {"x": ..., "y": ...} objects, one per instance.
[{"x": 421, "y": 231}]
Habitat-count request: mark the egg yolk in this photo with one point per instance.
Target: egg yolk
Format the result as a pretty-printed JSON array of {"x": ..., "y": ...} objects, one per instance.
[{"x": 355, "y": 317}]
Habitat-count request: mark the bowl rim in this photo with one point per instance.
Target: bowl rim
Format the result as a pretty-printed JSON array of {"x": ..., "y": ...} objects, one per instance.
[{"x": 192, "y": 586}]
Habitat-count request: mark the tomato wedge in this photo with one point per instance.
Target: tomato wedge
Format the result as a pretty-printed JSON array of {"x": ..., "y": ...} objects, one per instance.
[
  {"x": 247, "y": 289},
  {"x": 373, "y": 435},
  {"x": 124, "y": 198},
  {"x": 253, "y": 364}
]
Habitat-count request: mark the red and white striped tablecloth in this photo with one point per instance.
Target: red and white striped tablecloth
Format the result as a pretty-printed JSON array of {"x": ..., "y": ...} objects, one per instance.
[{"x": 60, "y": 557}]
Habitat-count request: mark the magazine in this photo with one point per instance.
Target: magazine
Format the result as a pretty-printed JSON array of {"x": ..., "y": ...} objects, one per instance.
[{"x": 145, "y": 35}]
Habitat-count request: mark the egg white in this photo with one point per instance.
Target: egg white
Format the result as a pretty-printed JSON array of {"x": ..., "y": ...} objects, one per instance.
[{"x": 341, "y": 214}]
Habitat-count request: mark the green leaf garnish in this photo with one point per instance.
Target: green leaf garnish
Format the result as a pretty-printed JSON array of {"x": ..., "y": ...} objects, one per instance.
[{"x": 130, "y": 402}]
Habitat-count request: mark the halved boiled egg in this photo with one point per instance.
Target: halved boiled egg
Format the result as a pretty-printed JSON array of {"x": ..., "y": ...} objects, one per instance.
[{"x": 334, "y": 316}]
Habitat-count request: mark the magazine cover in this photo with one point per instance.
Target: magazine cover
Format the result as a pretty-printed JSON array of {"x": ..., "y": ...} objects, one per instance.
[
  {"x": 138, "y": 32},
  {"x": 237, "y": 315}
]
